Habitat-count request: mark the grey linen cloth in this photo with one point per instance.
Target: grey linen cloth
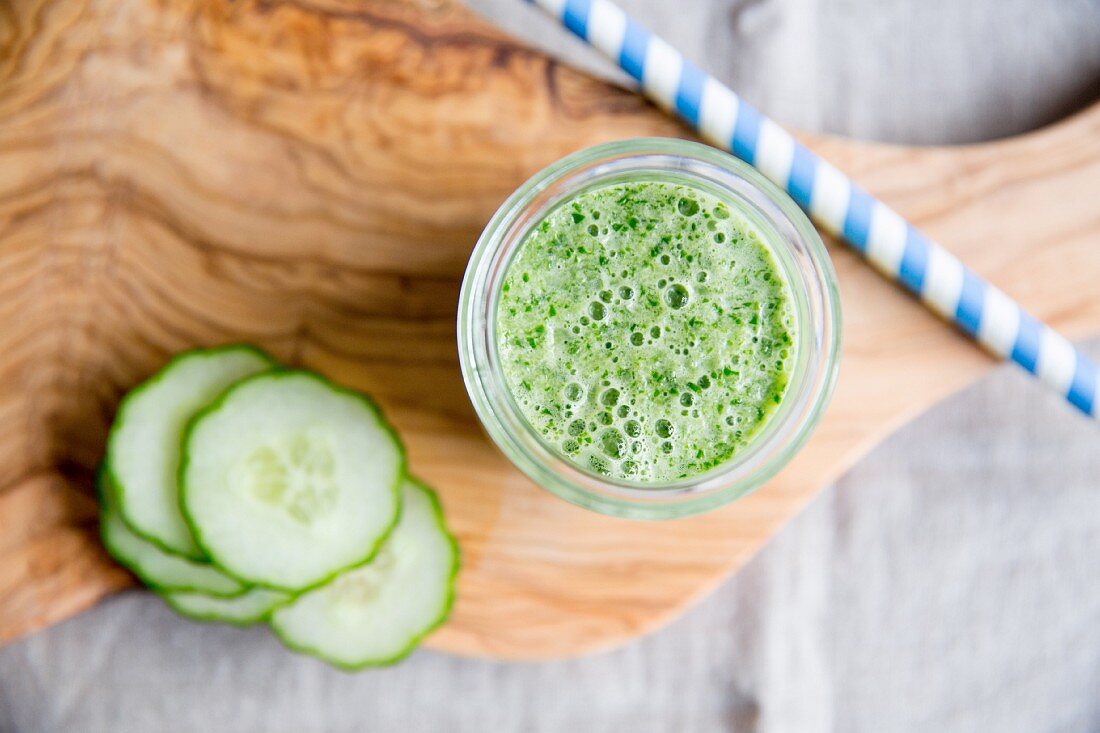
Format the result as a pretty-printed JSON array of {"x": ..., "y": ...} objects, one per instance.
[{"x": 950, "y": 582}]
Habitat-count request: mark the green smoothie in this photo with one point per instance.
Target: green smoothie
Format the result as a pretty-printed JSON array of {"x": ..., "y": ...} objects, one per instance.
[{"x": 646, "y": 331}]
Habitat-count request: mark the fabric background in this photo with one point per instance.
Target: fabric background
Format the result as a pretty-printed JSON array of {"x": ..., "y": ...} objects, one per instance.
[{"x": 950, "y": 582}]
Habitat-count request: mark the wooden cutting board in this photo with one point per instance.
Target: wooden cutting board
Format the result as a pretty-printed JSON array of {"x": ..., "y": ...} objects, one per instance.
[{"x": 311, "y": 176}]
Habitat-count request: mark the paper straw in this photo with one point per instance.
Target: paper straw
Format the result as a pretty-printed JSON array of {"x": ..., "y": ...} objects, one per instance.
[{"x": 890, "y": 243}]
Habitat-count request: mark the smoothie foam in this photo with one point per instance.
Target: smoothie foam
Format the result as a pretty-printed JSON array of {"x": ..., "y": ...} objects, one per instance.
[{"x": 645, "y": 330}]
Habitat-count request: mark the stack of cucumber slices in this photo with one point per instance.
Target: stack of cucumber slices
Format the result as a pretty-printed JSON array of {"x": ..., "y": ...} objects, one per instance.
[{"x": 244, "y": 492}]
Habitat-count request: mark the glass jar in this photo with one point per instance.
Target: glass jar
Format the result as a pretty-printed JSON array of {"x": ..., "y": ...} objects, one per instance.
[{"x": 798, "y": 252}]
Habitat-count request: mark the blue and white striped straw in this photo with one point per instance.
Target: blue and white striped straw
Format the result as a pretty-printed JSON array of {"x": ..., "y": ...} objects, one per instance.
[{"x": 833, "y": 201}]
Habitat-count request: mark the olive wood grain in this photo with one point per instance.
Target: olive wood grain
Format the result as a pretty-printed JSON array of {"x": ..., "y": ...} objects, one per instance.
[{"x": 311, "y": 176}]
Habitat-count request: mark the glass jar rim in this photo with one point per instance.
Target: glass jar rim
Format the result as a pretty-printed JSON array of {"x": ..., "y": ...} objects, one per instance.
[{"x": 799, "y": 252}]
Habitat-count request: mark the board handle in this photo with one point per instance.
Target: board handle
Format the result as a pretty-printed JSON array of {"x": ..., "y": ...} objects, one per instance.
[{"x": 879, "y": 234}]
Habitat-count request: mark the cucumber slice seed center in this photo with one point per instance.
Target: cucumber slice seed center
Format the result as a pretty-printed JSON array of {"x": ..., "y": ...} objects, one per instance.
[
  {"x": 296, "y": 473},
  {"x": 361, "y": 586}
]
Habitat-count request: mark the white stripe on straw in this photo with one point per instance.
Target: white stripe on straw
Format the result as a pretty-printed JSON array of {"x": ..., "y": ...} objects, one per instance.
[{"x": 891, "y": 244}]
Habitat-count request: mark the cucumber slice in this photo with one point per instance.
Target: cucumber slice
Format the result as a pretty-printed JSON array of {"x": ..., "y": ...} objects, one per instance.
[
  {"x": 160, "y": 570},
  {"x": 144, "y": 443},
  {"x": 288, "y": 479},
  {"x": 248, "y": 608},
  {"x": 377, "y": 613}
]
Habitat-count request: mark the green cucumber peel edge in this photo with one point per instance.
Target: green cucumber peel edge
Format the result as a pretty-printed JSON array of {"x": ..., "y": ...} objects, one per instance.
[{"x": 260, "y": 617}]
